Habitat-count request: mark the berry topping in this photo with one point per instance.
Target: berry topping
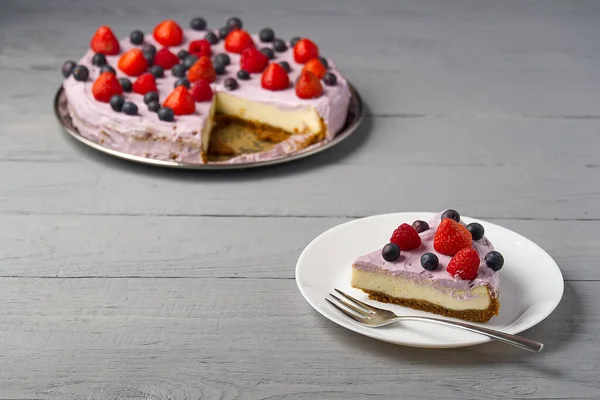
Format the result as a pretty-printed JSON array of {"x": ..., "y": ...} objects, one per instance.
[
  {"x": 145, "y": 83},
  {"x": 390, "y": 252},
  {"x": 202, "y": 69},
  {"x": 266, "y": 35},
  {"x": 211, "y": 38},
  {"x": 275, "y": 78},
  {"x": 430, "y": 261},
  {"x": 268, "y": 52},
  {"x": 494, "y": 260},
  {"x": 253, "y": 60},
  {"x": 178, "y": 70},
  {"x": 150, "y": 96},
  {"x": 315, "y": 67},
  {"x": 279, "y": 45},
  {"x": 116, "y": 102},
  {"x": 67, "y": 68},
  {"x": 81, "y": 73},
  {"x": 201, "y": 91},
  {"x": 105, "y": 42},
  {"x": 153, "y": 106},
  {"x": 107, "y": 68},
  {"x": 106, "y": 86},
  {"x": 452, "y": 214},
  {"x": 465, "y": 264},
  {"x": 180, "y": 101},
  {"x": 157, "y": 71},
  {"x": 243, "y": 75},
  {"x": 136, "y": 37},
  {"x": 476, "y": 230},
  {"x": 130, "y": 108},
  {"x": 324, "y": 62},
  {"x": 189, "y": 61},
  {"x": 219, "y": 69},
  {"x": 168, "y": 33},
  {"x": 149, "y": 48},
  {"x": 451, "y": 237},
  {"x": 305, "y": 50},
  {"x": 148, "y": 56},
  {"x": 420, "y": 226},
  {"x": 200, "y": 48},
  {"x": 230, "y": 84},
  {"x": 182, "y": 54},
  {"x": 234, "y": 23},
  {"x": 182, "y": 82},
  {"x": 165, "y": 58},
  {"x": 198, "y": 24},
  {"x": 238, "y": 40},
  {"x": 99, "y": 59},
  {"x": 222, "y": 58},
  {"x": 406, "y": 237},
  {"x": 223, "y": 31},
  {"x": 133, "y": 63},
  {"x": 125, "y": 84},
  {"x": 330, "y": 79},
  {"x": 308, "y": 86},
  {"x": 285, "y": 65},
  {"x": 294, "y": 40},
  {"x": 166, "y": 114}
]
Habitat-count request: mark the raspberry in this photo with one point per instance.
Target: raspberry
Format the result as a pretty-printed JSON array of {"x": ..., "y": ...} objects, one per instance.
[
  {"x": 465, "y": 264},
  {"x": 406, "y": 237}
]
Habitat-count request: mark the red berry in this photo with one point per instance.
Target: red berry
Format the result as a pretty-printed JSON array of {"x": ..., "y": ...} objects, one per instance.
[
  {"x": 202, "y": 69},
  {"x": 106, "y": 86},
  {"x": 132, "y": 62},
  {"x": 180, "y": 101},
  {"x": 201, "y": 91},
  {"x": 316, "y": 67},
  {"x": 451, "y": 237},
  {"x": 238, "y": 40},
  {"x": 308, "y": 86},
  {"x": 305, "y": 50},
  {"x": 168, "y": 33},
  {"x": 465, "y": 264},
  {"x": 253, "y": 60},
  {"x": 105, "y": 42},
  {"x": 145, "y": 83},
  {"x": 275, "y": 78},
  {"x": 200, "y": 48},
  {"x": 165, "y": 58},
  {"x": 406, "y": 237}
]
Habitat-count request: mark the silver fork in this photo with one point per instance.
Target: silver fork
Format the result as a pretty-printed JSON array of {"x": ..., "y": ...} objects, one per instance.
[{"x": 374, "y": 317}]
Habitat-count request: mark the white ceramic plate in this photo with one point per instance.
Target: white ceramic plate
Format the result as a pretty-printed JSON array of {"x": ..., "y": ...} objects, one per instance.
[{"x": 531, "y": 284}]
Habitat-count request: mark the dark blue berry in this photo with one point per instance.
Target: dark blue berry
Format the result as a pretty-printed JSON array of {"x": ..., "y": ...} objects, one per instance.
[
  {"x": 452, "y": 214},
  {"x": 81, "y": 73},
  {"x": 116, "y": 102},
  {"x": 324, "y": 62},
  {"x": 153, "y": 106},
  {"x": 268, "y": 52},
  {"x": 279, "y": 45},
  {"x": 230, "y": 84},
  {"x": 99, "y": 60},
  {"x": 219, "y": 69},
  {"x": 234, "y": 23},
  {"x": 182, "y": 81},
  {"x": 211, "y": 38},
  {"x": 157, "y": 71},
  {"x": 125, "y": 84},
  {"x": 476, "y": 230},
  {"x": 136, "y": 37},
  {"x": 420, "y": 226},
  {"x": 67, "y": 68},
  {"x": 198, "y": 24},
  {"x": 266, "y": 35},
  {"x": 178, "y": 70},
  {"x": 390, "y": 252},
  {"x": 107, "y": 68},
  {"x": 189, "y": 61},
  {"x": 294, "y": 40},
  {"x": 150, "y": 96},
  {"x": 166, "y": 114},
  {"x": 182, "y": 54},
  {"x": 330, "y": 79},
  {"x": 223, "y": 31},
  {"x": 286, "y": 66},
  {"x": 150, "y": 48},
  {"x": 222, "y": 58},
  {"x": 430, "y": 261},
  {"x": 494, "y": 260},
  {"x": 130, "y": 108},
  {"x": 243, "y": 75},
  {"x": 149, "y": 56}
]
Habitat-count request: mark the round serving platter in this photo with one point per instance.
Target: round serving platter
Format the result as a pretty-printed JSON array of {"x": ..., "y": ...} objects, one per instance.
[{"x": 353, "y": 119}]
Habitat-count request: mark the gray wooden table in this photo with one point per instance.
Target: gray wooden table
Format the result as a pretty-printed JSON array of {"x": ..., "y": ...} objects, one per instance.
[{"x": 124, "y": 282}]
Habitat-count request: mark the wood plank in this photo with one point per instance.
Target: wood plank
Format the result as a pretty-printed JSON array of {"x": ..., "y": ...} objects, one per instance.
[{"x": 165, "y": 338}]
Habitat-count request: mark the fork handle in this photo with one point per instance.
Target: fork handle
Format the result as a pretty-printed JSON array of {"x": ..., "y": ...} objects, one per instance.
[{"x": 515, "y": 340}]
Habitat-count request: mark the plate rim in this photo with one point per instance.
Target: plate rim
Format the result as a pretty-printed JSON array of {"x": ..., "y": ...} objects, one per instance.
[
  {"x": 344, "y": 133},
  {"x": 354, "y": 327}
]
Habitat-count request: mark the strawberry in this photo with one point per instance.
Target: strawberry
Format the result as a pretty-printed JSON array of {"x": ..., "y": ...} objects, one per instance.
[
  {"x": 106, "y": 86},
  {"x": 238, "y": 40},
  {"x": 308, "y": 86},
  {"x": 451, "y": 237},
  {"x": 202, "y": 69},
  {"x": 165, "y": 58},
  {"x": 145, "y": 83},
  {"x": 253, "y": 60},
  {"x": 406, "y": 237},
  {"x": 275, "y": 78},
  {"x": 180, "y": 101},
  {"x": 200, "y": 48},
  {"x": 105, "y": 42},
  {"x": 305, "y": 50},
  {"x": 316, "y": 67},
  {"x": 201, "y": 91},
  {"x": 465, "y": 264},
  {"x": 168, "y": 33},
  {"x": 133, "y": 62}
]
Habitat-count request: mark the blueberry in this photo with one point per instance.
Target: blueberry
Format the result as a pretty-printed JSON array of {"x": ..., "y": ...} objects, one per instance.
[
  {"x": 222, "y": 58},
  {"x": 149, "y": 56},
  {"x": 211, "y": 38},
  {"x": 166, "y": 114},
  {"x": 494, "y": 260},
  {"x": 452, "y": 214},
  {"x": 150, "y": 96},
  {"x": 476, "y": 230},
  {"x": 268, "y": 52},
  {"x": 99, "y": 60},
  {"x": 230, "y": 84},
  {"x": 116, "y": 102},
  {"x": 81, "y": 73},
  {"x": 189, "y": 61},
  {"x": 294, "y": 40},
  {"x": 198, "y": 24},
  {"x": 429, "y": 261},
  {"x": 279, "y": 45},
  {"x": 324, "y": 62},
  {"x": 153, "y": 106},
  {"x": 223, "y": 31},
  {"x": 125, "y": 84},
  {"x": 390, "y": 252},
  {"x": 243, "y": 75},
  {"x": 178, "y": 70},
  {"x": 129, "y": 108},
  {"x": 330, "y": 79},
  {"x": 147, "y": 47},
  {"x": 266, "y": 35},
  {"x": 286, "y": 66},
  {"x": 107, "y": 68},
  {"x": 136, "y": 37},
  {"x": 182, "y": 54},
  {"x": 420, "y": 226},
  {"x": 67, "y": 68},
  {"x": 182, "y": 81},
  {"x": 157, "y": 71},
  {"x": 234, "y": 23},
  {"x": 219, "y": 69}
]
